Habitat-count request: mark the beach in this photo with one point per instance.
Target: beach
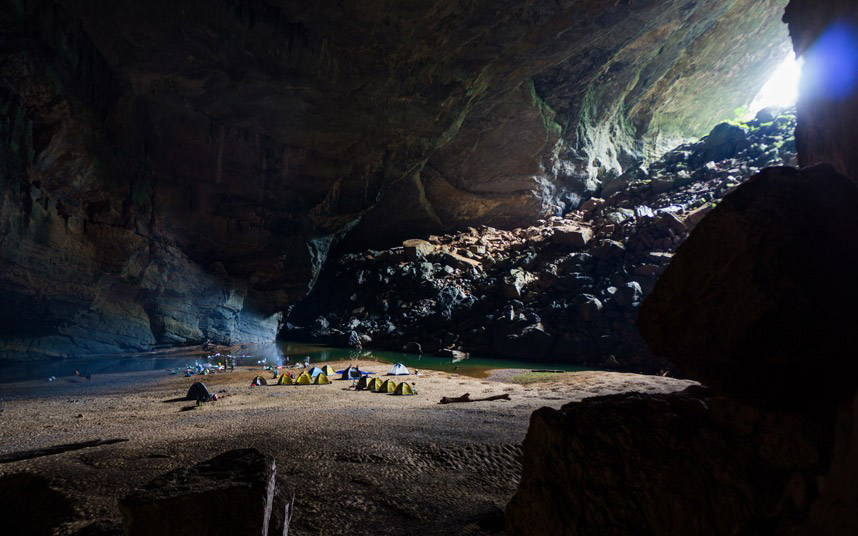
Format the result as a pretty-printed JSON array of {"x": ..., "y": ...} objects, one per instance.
[{"x": 360, "y": 462}]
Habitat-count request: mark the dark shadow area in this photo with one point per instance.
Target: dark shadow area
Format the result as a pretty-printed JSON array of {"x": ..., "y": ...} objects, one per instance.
[{"x": 28, "y": 505}]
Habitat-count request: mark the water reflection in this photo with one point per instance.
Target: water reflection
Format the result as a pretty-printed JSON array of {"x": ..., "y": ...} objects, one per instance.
[{"x": 283, "y": 353}]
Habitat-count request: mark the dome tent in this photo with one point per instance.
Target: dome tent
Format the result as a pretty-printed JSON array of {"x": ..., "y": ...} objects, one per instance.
[
  {"x": 403, "y": 389},
  {"x": 315, "y": 371},
  {"x": 198, "y": 391},
  {"x": 284, "y": 379},
  {"x": 351, "y": 373},
  {"x": 303, "y": 379},
  {"x": 374, "y": 385},
  {"x": 398, "y": 370},
  {"x": 322, "y": 379},
  {"x": 328, "y": 370},
  {"x": 258, "y": 381},
  {"x": 388, "y": 386},
  {"x": 363, "y": 383}
]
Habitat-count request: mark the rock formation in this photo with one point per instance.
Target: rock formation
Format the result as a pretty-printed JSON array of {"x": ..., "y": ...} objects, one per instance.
[
  {"x": 237, "y": 492},
  {"x": 823, "y": 33},
  {"x": 566, "y": 289},
  {"x": 177, "y": 172},
  {"x": 747, "y": 307},
  {"x": 757, "y": 304},
  {"x": 684, "y": 463}
]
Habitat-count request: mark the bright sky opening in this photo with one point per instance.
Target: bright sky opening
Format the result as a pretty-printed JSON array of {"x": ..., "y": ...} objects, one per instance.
[{"x": 782, "y": 88}]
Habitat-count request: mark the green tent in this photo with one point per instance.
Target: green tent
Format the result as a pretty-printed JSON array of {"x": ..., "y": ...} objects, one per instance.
[
  {"x": 304, "y": 379},
  {"x": 328, "y": 370},
  {"x": 285, "y": 379},
  {"x": 388, "y": 386}
]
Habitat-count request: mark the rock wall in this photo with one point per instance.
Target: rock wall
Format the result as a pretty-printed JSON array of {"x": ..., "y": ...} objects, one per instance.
[
  {"x": 566, "y": 288},
  {"x": 614, "y": 84},
  {"x": 748, "y": 306},
  {"x": 178, "y": 171},
  {"x": 825, "y": 35},
  {"x": 757, "y": 304}
]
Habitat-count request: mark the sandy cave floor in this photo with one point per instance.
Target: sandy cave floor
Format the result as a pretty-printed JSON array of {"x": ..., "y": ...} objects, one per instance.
[{"x": 360, "y": 462}]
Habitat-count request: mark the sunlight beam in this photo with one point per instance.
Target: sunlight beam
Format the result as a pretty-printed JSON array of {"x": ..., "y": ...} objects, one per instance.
[{"x": 781, "y": 90}]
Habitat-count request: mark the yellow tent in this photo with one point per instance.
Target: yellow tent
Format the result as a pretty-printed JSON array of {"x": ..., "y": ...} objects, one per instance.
[
  {"x": 322, "y": 379},
  {"x": 374, "y": 385},
  {"x": 403, "y": 389},
  {"x": 388, "y": 386},
  {"x": 303, "y": 379},
  {"x": 284, "y": 379},
  {"x": 363, "y": 383},
  {"x": 328, "y": 370}
]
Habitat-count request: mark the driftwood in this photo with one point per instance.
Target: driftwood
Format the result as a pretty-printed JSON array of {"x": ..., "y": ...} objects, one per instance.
[
  {"x": 467, "y": 398},
  {"x": 56, "y": 449}
]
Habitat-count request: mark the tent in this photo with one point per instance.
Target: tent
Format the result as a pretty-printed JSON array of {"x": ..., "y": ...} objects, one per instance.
[
  {"x": 352, "y": 373},
  {"x": 388, "y": 386},
  {"x": 303, "y": 379},
  {"x": 398, "y": 370},
  {"x": 328, "y": 370},
  {"x": 403, "y": 389},
  {"x": 322, "y": 379},
  {"x": 363, "y": 383},
  {"x": 198, "y": 391},
  {"x": 315, "y": 371},
  {"x": 374, "y": 385},
  {"x": 285, "y": 379},
  {"x": 257, "y": 381}
]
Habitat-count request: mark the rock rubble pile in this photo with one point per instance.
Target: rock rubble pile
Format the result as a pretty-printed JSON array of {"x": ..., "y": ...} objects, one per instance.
[
  {"x": 565, "y": 289},
  {"x": 767, "y": 445}
]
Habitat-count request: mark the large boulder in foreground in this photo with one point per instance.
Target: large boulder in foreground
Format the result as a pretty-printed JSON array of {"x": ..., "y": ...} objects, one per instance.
[
  {"x": 234, "y": 493},
  {"x": 682, "y": 463},
  {"x": 760, "y": 300}
]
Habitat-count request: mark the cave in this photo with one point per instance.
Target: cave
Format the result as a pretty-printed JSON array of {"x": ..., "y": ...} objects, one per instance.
[{"x": 248, "y": 246}]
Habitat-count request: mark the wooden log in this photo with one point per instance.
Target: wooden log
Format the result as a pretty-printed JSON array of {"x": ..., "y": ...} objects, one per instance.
[
  {"x": 467, "y": 398},
  {"x": 56, "y": 449}
]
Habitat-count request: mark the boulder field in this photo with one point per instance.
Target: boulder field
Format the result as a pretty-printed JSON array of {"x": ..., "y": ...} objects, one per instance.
[
  {"x": 758, "y": 306},
  {"x": 176, "y": 172},
  {"x": 744, "y": 307},
  {"x": 567, "y": 289}
]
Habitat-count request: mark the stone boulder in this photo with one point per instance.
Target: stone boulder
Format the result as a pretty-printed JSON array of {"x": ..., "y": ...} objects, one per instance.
[
  {"x": 572, "y": 236},
  {"x": 528, "y": 342},
  {"x": 236, "y": 493},
  {"x": 682, "y": 463},
  {"x": 760, "y": 300},
  {"x": 515, "y": 283},
  {"x": 417, "y": 249},
  {"x": 29, "y": 504},
  {"x": 724, "y": 141}
]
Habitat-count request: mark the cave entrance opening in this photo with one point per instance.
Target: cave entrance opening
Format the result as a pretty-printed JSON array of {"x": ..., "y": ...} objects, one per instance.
[{"x": 781, "y": 90}]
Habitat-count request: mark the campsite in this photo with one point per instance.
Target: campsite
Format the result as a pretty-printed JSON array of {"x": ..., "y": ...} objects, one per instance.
[{"x": 356, "y": 458}]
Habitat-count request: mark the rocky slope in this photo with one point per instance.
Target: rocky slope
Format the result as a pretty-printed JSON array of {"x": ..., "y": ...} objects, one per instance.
[
  {"x": 566, "y": 289},
  {"x": 178, "y": 171},
  {"x": 747, "y": 307},
  {"x": 758, "y": 303}
]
